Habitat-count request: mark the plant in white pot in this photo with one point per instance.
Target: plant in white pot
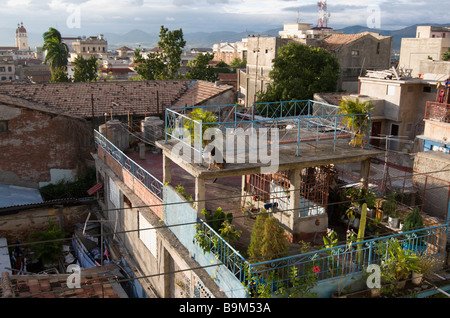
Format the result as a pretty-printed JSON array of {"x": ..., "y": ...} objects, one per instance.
[
  {"x": 394, "y": 219},
  {"x": 426, "y": 266}
]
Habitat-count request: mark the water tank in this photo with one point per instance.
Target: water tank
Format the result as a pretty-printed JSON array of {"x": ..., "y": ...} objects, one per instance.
[
  {"x": 116, "y": 133},
  {"x": 152, "y": 129}
]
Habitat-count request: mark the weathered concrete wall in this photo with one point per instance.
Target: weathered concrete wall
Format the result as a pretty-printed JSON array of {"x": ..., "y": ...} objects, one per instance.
[
  {"x": 151, "y": 250},
  {"x": 37, "y": 143},
  {"x": 19, "y": 225},
  {"x": 433, "y": 182},
  {"x": 415, "y": 50}
]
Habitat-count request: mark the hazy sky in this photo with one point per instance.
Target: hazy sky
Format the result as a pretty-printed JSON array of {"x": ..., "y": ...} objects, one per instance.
[{"x": 89, "y": 17}]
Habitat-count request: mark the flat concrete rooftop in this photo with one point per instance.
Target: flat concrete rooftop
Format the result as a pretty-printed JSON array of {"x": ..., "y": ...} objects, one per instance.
[{"x": 311, "y": 155}]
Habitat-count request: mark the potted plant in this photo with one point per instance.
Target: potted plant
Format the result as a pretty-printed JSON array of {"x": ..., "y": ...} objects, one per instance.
[
  {"x": 393, "y": 219},
  {"x": 397, "y": 262},
  {"x": 414, "y": 221},
  {"x": 356, "y": 119},
  {"x": 425, "y": 266}
]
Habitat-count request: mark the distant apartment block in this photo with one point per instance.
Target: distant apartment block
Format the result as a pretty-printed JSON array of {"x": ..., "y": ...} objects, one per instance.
[
  {"x": 303, "y": 31},
  {"x": 227, "y": 52},
  {"x": 428, "y": 45},
  {"x": 7, "y": 68},
  {"x": 92, "y": 46},
  {"x": 399, "y": 108},
  {"x": 356, "y": 54}
]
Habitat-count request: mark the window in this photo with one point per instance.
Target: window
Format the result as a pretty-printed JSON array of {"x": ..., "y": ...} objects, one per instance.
[
  {"x": 3, "y": 126},
  {"x": 427, "y": 89},
  {"x": 147, "y": 234},
  {"x": 9, "y": 69},
  {"x": 378, "y": 48},
  {"x": 2, "y": 69},
  {"x": 355, "y": 53},
  {"x": 390, "y": 90}
]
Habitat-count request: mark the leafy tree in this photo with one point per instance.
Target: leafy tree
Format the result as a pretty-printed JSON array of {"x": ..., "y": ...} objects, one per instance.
[
  {"x": 237, "y": 62},
  {"x": 171, "y": 44},
  {"x": 199, "y": 68},
  {"x": 49, "y": 248},
  {"x": 446, "y": 55},
  {"x": 254, "y": 248},
  {"x": 85, "y": 70},
  {"x": 149, "y": 68},
  {"x": 298, "y": 72},
  {"x": 208, "y": 120},
  {"x": 59, "y": 75},
  {"x": 268, "y": 239},
  {"x": 57, "y": 54},
  {"x": 163, "y": 64}
]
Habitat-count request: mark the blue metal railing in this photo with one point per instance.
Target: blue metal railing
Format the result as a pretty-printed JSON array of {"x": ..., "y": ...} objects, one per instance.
[
  {"x": 331, "y": 262},
  {"x": 224, "y": 252},
  {"x": 306, "y": 120},
  {"x": 143, "y": 176},
  {"x": 344, "y": 260}
]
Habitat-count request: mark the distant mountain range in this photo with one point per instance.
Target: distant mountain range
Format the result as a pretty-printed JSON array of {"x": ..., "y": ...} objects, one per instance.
[
  {"x": 204, "y": 39},
  {"x": 135, "y": 38}
]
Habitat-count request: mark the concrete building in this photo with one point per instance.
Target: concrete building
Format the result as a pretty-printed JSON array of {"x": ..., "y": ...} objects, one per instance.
[
  {"x": 22, "y": 38},
  {"x": 156, "y": 200},
  {"x": 436, "y": 133},
  {"x": 433, "y": 153},
  {"x": 255, "y": 77},
  {"x": 399, "y": 107},
  {"x": 92, "y": 46},
  {"x": 356, "y": 53},
  {"x": 22, "y": 49},
  {"x": 227, "y": 52},
  {"x": 303, "y": 32},
  {"x": 7, "y": 68},
  {"x": 404, "y": 106},
  {"x": 429, "y": 44}
]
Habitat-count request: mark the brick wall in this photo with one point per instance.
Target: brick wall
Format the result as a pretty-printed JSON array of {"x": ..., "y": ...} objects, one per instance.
[
  {"x": 36, "y": 142},
  {"x": 130, "y": 181}
]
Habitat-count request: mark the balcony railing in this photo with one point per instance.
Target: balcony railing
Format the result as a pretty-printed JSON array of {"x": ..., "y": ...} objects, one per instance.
[
  {"x": 344, "y": 260},
  {"x": 338, "y": 261},
  {"x": 143, "y": 176},
  {"x": 437, "y": 111},
  {"x": 297, "y": 122}
]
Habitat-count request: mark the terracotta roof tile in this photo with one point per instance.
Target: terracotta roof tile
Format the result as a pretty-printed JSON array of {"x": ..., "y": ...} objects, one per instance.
[
  {"x": 199, "y": 92},
  {"x": 335, "y": 41},
  {"x": 138, "y": 97},
  {"x": 93, "y": 284}
]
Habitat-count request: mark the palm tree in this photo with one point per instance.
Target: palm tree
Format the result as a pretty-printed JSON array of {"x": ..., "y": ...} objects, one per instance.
[
  {"x": 52, "y": 33},
  {"x": 57, "y": 53},
  {"x": 357, "y": 111}
]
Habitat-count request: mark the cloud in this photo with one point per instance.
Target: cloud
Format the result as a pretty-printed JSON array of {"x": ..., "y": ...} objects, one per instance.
[{"x": 211, "y": 15}]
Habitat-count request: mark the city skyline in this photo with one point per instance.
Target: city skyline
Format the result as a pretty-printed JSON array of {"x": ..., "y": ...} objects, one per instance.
[{"x": 87, "y": 17}]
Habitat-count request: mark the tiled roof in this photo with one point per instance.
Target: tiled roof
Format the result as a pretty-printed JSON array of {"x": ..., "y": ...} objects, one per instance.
[
  {"x": 138, "y": 97},
  {"x": 19, "y": 102},
  {"x": 335, "y": 41},
  {"x": 199, "y": 93},
  {"x": 93, "y": 284}
]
